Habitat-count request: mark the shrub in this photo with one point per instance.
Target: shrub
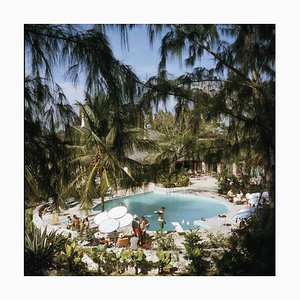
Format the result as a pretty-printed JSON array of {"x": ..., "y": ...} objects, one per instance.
[
  {"x": 40, "y": 250},
  {"x": 164, "y": 242},
  {"x": 251, "y": 250},
  {"x": 195, "y": 253},
  {"x": 164, "y": 262},
  {"x": 69, "y": 261}
]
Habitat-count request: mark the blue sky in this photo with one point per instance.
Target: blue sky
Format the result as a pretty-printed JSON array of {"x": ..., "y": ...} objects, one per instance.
[
  {"x": 143, "y": 59},
  {"x": 141, "y": 56}
]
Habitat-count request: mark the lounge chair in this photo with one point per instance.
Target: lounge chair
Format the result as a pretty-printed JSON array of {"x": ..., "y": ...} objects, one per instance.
[
  {"x": 71, "y": 203},
  {"x": 177, "y": 227}
]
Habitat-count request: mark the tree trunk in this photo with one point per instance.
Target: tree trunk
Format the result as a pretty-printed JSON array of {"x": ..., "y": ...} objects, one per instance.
[
  {"x": 102, "y": 203},
  {"x": 270, "y": 184}
]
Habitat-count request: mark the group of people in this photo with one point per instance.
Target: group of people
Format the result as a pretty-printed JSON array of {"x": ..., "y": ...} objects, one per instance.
[
  {"x": 47, "y": 209},
  {"x": 139, "y": 228},
  {"x": 238, "y": 198},
  {"x": 75, "y": 223}
]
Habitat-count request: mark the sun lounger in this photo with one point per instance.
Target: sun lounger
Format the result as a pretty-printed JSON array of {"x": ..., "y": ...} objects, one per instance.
[
  {"x": 71, "y": 203},
  {"x": 177, "y": 227}
]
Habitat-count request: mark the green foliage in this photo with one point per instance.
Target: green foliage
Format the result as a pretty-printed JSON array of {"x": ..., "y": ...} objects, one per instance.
[
  {"x": 164, "y": 262},
  {"x": 28, "y": 217},
  {"x": 165, "y": 123},
  {"x": 111, "y": 263},
  {"x": 182, "y": 179},
  {"x": 176, "y": 179},
  {"x": 164, "y": 242},
  {"x": 97, "y": 255},
  {"x": 251, "y": 250},
  {"x": 228, "y": 182},
  {"x": 108, "y": 262},
  {"x": 87, "y": 236},
  {"x": 195, "y": 250},
  {"x": 243, "y": 105},
  {"x": 102, "y": 151},
  {"x": 40, "y": 250},
  {"x": 49, "y": 117},
  {"x": 46, "y": 170},
  {"x": 69, "y": 261},
  {"x": 123, "y": 261},
  {"x": 139, "y": 262}
]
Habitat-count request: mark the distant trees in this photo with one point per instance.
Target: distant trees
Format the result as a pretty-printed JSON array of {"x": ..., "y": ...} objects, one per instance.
[{"x": 244, "y": 102}]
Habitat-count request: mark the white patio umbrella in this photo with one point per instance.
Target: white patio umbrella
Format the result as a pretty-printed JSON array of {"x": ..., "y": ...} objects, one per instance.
[
  {"x": 101, "y": 217},
  {"x": 108, "y": 225},
  {"x": 125, "y": 220},
  {"x": 117, "y": 212}
]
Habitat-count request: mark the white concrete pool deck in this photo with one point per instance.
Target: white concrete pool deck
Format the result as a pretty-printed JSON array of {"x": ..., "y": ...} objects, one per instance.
[{"x": 203, "y": 187}]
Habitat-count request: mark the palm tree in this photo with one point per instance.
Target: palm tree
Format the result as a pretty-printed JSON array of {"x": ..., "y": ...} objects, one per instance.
[
  {"x": 76, "y": 50},
  {"x": 103, "y": 148},
  {"x": 44, "y": 148}
]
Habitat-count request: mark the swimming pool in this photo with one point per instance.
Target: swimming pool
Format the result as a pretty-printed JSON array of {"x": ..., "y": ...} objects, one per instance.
[{"x": 184, "y": 209}]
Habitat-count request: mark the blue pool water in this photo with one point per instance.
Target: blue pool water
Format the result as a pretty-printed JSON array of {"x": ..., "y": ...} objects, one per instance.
[{"x": 178, "y": 208}]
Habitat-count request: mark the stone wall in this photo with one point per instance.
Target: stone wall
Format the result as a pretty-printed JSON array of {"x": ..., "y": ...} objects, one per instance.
[{"x": 38, "y": 221}]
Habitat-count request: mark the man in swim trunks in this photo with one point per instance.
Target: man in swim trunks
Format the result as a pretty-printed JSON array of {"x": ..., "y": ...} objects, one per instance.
[{"x": 161, "y": 218}]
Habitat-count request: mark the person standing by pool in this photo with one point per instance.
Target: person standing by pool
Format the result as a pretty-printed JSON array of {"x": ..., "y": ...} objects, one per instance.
[
  {"x": 75, "y": 222},
  {"x": 144, "y": 224},
  {"x": 136, "y": 226},
  {"x": 161, "y": 218}
]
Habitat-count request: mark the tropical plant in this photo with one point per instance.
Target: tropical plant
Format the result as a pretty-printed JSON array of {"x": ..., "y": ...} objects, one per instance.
[
  {"x": 97, "y": 255},
  {"x": 40, "y": 250},
  {"x": 28, "y": 217},
  {"x": 195, "y": 253},
  {"x": 139, "y": 261},
  {"x": 69, "y": 261},
  {"x": 108, "y": 261},
  {"x": 164, "y": 242},
  {"x": 250, "y": 250},
  {"x": 77, "y": 50},
  {"x": 103, "y": 153},
  {"x": 164, "y": 262}
]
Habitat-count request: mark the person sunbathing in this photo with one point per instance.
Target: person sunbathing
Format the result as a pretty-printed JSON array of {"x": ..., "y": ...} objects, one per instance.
[
  {"x": 230, "y": 195},
  {"x": 75, "y": 222}
]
